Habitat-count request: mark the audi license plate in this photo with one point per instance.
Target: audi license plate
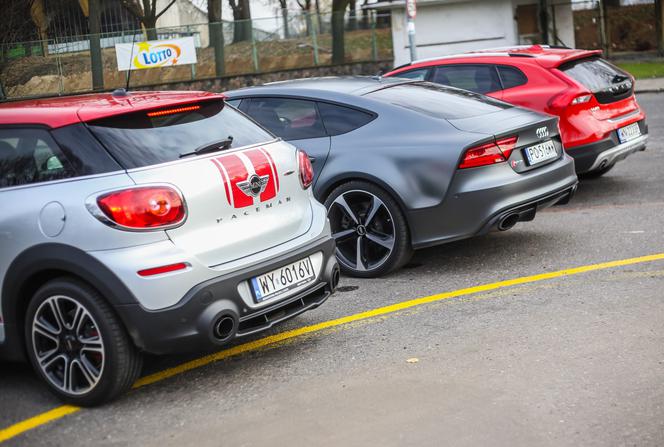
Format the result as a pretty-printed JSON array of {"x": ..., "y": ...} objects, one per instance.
[
  {"x": 280, "y": 281},
  {"x": 541, "y": 152},
  {"x": 629, "y": 133}
]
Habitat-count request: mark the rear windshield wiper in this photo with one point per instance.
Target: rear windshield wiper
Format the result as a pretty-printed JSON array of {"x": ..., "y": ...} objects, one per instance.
[
  {"x": 619, "y": 78},
  {"x": 209, "y": 148}
]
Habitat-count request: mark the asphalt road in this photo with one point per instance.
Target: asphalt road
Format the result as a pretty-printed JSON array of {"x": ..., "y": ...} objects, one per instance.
[{"x": 574, "y": 360}]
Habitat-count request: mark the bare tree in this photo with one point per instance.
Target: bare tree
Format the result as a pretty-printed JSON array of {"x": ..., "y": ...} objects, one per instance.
[
  {"x": 242, "y": 28},
  {"x": 216, "y": 34},
  {"x": 146, "y": 12},
  {"x": 305, "y": 5},
  {"x": 338, "y": 44}
]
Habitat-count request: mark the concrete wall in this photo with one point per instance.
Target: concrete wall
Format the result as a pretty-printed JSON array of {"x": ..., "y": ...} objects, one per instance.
[{"x": 455, "y": 26}]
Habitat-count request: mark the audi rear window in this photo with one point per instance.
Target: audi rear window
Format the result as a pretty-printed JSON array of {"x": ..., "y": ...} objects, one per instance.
[
  {"x": 438, "y": 101},
  {"x": 147, "y": 138}
]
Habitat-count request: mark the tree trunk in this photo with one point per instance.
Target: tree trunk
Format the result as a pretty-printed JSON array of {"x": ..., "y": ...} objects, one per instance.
[
  {"x": 242, "y": 26},
  {"x": 364, "y": 24},
  {"x": 216, "y": 31},
  {"x": 352, "y": 15},
  {"x": 338, "y": 44},
  {"x": 38, "y": 15},
  {"x": 284, "y": 18},
  {"x": 96, "y": 63},
  {"x": 320, "y": 21},
  {"x": 150, "y": 24}
]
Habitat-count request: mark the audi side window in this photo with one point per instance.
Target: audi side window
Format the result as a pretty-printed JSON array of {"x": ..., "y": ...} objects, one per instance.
[
  {"x": 290, "y": 119},
  {"x": 476, "y": 78},
  {"x": 511, "y": 77},
  {"x": 339, "y": 119},
  {"x": 30, "y": 156},
  {"x": 416, "y": 75}
]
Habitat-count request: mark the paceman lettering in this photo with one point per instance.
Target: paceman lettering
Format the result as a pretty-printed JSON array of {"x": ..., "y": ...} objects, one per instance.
[{"x": 258, "y": 209}]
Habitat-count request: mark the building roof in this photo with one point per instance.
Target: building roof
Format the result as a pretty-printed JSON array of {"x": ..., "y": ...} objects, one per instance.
[{"x": 66, "y": 110}]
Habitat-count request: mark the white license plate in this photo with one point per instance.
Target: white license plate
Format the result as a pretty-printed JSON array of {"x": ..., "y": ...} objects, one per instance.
[
  {"x": 278, "y": 282},
  {"x": 541, "y": 152},
  {"x": 629, "y": 133}
]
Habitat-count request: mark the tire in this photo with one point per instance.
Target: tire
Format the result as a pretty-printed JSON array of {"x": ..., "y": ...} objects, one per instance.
[
  {"x": 381, "y": 234},
  {"x": 597, "y": 173},
  {"x": 85, "y": 339}
]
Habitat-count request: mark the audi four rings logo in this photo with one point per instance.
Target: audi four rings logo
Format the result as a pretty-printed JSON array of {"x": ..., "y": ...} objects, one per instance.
[
  {"x": 247, "y": 176},
  {"x": 542, "y": 132}
]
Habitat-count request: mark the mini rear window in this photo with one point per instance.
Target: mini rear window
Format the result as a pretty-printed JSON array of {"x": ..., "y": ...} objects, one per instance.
[
  {"x": 438, "y": 101},
  {"x": 146, "y": 138}
]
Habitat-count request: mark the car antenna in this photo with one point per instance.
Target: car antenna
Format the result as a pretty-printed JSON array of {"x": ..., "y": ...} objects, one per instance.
[{"x": 131, "y": 56}]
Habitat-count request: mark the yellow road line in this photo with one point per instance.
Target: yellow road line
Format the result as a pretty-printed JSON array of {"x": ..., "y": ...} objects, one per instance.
[
  {"x": 36, "y": 421},
  {"x": 60, "y": 412}
]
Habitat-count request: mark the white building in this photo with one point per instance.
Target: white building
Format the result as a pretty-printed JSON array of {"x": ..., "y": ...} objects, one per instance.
[{"x": 452, "y": 26}]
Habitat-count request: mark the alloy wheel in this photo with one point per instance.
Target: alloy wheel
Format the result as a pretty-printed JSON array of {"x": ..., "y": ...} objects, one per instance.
[
  {"x": 68, "y": 345},
  {"x": 363, "y": 229}
]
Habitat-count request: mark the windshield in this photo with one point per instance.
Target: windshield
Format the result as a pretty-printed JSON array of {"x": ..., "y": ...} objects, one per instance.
[
  {"x": 147, "y": 138},
  {"x": 438, "y": 101}
]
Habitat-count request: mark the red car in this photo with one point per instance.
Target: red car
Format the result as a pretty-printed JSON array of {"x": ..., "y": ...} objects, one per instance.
[{"x": 600, "y": 121}]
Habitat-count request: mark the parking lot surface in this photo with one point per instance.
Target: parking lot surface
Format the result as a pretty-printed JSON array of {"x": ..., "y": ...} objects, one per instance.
[{"x": 577, "y": 359}]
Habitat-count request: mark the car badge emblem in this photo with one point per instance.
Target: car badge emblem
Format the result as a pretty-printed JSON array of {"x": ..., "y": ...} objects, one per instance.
[
  {"x": 254, "y": 185},
  {"x": 542, "y": 132}
]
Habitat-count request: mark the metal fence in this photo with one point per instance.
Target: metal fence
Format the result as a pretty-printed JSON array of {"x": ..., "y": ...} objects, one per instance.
[
  {"x": 63, "y": 65},
  {"x": 629, "y": 28}
]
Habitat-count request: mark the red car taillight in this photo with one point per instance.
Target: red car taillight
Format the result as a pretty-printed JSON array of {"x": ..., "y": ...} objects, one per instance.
[
  {"x": 142, "y": 208},
  {"x": 306, "y": 169},
  {"x": 489, "y": 153}
]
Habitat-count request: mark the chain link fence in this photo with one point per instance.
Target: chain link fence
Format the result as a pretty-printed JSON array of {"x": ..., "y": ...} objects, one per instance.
[
  {"x": 62, "y": 65},
  {"x": 625, "y": 29}
]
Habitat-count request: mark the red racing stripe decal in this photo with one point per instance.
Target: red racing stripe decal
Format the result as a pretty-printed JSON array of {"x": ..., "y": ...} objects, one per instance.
[
  {"x": 224, "y": 178},
  {"x": 262, "y": 166}
]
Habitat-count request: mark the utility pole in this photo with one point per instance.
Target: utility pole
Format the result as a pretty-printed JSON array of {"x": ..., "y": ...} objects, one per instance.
[
  {"x": 544, "y": 21},
  {"x": 659, "y": 25},
  {"x": 603, "y": 31},
  {"x": 96, "y": 61},
  {"x": 411, "y": 13}
]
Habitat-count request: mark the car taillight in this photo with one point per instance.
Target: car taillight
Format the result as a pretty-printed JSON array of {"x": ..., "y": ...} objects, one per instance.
[
  {"x": 306, "y": 169},
  {"x": 144, "y": 208},
  {"x": 489, "y": 153},
  {"x": 569, "y": 98}
]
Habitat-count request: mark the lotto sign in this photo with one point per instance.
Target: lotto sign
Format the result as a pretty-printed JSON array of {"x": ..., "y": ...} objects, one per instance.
[
  {"x": 155, "y": 54},
  {"x": 411, "y": 9}
]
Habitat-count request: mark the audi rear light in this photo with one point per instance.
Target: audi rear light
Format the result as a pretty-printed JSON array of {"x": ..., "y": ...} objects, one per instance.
[
  {"x": 489, "y": 153},
  {"x": 306, "y": 169},
  {"x": 144, "y": 208}
]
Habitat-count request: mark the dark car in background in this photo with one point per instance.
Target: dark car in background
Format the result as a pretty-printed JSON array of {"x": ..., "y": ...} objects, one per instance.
[{"x": 402, "y": 165}]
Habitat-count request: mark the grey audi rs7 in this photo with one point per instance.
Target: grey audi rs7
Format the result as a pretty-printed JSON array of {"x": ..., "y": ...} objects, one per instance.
[{"x": 402, "y": 165}]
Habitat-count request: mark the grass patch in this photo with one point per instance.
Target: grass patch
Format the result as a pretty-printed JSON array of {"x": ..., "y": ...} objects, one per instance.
[{"x": 644, "y": 70}]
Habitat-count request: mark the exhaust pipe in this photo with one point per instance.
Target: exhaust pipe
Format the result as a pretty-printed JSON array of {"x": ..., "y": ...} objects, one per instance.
[
  {"x": 336, "y": 276},
  {"x": 508, "y": 222},
  {"x": 224, "y": 327}
]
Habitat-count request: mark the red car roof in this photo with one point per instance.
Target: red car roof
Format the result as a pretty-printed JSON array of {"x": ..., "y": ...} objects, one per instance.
[
  {"x": 544, "y": 55},
  {"x": 66, "y": 110}
]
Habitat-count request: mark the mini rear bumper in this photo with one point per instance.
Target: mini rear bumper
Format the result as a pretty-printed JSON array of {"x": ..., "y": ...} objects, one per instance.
[
  {"x": 607, "y": 152},
  {"x": 213, "y": 313}
]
